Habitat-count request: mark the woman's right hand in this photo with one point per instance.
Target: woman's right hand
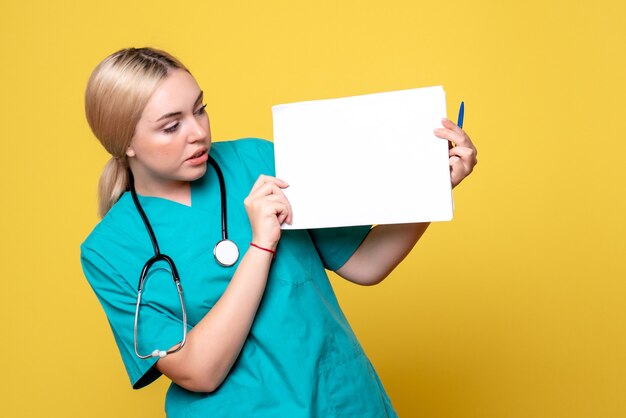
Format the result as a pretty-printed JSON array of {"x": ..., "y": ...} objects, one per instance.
[{"x": 267, "y": 208}]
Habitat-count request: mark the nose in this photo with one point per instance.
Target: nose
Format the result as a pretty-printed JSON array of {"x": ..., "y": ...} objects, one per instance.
[{"x": 197, "y": 130}]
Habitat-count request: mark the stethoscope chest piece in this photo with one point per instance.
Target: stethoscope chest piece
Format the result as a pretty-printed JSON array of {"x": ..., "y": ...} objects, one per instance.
[{"x": 226, "y": 253}]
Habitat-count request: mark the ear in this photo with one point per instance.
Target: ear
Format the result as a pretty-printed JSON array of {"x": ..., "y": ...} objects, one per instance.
[{"x": 130, "y": 151}]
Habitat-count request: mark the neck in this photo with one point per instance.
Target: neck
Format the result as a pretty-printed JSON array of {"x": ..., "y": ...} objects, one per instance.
[{"x": 176, "y": 191}]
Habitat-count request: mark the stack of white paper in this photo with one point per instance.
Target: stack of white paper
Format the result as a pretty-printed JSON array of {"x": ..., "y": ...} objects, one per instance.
[{"x": 362, "y": 160}]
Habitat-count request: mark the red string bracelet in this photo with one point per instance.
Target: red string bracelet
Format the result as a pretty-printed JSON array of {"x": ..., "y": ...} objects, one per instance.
[{"x": 264, "y": 249}]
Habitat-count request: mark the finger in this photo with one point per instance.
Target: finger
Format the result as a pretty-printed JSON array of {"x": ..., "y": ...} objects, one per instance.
[
  {"x": 453, "y": 133},
  {"x": 274, "y": 204},
  {"x": 282, "y": 217},
  {"x": 268, "y": 192},
  {"x": 460, "y": 168},
  {"x": 468, "y": 154},
  {"x": 266, "y": 208},
  {"x": 263, "y": 186},
  {"x": 454, "y": 161},
  {"x": 282, "y": 199},
  {"x": 273, "y": 198},
  {"x": 264, "y": 179},
  {"x": 457, "y": 170},
  {"x": 265, "y": 189},
  {"x": 458, "y": 139},
  {"x": 446, "y": 134},
  {"x": 281, "y": 211},
  {"x": 448, "y": 124},
  {"x": 276, "y": 191}
]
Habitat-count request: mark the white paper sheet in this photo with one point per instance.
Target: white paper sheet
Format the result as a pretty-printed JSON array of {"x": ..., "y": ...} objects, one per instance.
[{"x": 362, "y": 160}]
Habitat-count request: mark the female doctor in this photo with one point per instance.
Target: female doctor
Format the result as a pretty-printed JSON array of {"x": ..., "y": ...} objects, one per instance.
[{"x": 258, "y": 330}]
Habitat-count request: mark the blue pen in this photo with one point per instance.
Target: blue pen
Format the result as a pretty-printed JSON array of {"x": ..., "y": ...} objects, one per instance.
[{"x": 459, "y": 122}]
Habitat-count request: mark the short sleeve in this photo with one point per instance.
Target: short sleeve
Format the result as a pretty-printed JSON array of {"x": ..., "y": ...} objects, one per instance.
[
  {"x": 336, "y": 245},
  {"x": 159, "y": 326}
]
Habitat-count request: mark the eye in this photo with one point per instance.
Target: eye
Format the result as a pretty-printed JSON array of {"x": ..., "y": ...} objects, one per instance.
[
  {"x": 171, "y": 128},
  {"x": 201, "y": 110}
]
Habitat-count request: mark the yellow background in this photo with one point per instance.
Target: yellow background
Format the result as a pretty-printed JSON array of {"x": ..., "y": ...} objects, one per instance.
[{"x": 515, "y": 309}]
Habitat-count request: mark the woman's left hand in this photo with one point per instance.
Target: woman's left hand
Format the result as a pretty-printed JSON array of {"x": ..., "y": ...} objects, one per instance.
[{"x": 462, "y": 155}]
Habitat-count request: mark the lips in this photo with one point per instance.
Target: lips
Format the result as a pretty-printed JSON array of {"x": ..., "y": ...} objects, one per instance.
[
  {"x": 198, "y": 157},
  {"x": 197, "y": 154}
]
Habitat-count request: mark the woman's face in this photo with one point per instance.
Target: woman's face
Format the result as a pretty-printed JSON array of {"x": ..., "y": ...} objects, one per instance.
[{"x": 172, "y": 138}]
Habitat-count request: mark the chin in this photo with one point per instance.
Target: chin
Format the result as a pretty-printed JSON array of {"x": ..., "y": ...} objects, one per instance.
[{"x": 197, "y": 173}]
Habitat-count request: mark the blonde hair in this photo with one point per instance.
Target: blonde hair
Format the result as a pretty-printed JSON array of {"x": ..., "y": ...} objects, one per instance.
[{"x": 117, "y": 93}]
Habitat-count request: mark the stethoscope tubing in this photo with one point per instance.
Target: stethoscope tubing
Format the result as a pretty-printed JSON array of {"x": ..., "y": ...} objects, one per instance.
[
  {"x": 220, "y": 178},
  {"x": 158, "y": 256}
]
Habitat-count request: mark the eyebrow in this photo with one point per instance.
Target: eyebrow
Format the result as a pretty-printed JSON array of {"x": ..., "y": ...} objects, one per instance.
[{"x": 172, "y": 114}]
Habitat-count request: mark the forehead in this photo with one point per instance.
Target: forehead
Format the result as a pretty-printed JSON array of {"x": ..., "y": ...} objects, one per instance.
[{"x": 176, "y": 93}]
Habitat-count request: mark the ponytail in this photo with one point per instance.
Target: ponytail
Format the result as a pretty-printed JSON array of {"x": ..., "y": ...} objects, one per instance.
[{"x": 113, "y": 183}]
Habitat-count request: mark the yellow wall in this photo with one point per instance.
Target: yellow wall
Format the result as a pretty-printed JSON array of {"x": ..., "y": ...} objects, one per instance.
[{"x": 517, "y": 308}]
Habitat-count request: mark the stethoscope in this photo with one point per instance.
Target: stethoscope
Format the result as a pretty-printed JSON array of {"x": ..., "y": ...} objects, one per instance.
[{"x": 225, "y": 252}]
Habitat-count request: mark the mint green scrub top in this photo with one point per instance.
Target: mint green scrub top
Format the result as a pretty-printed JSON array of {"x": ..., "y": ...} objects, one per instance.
[{"x": 301, "y": 358}]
